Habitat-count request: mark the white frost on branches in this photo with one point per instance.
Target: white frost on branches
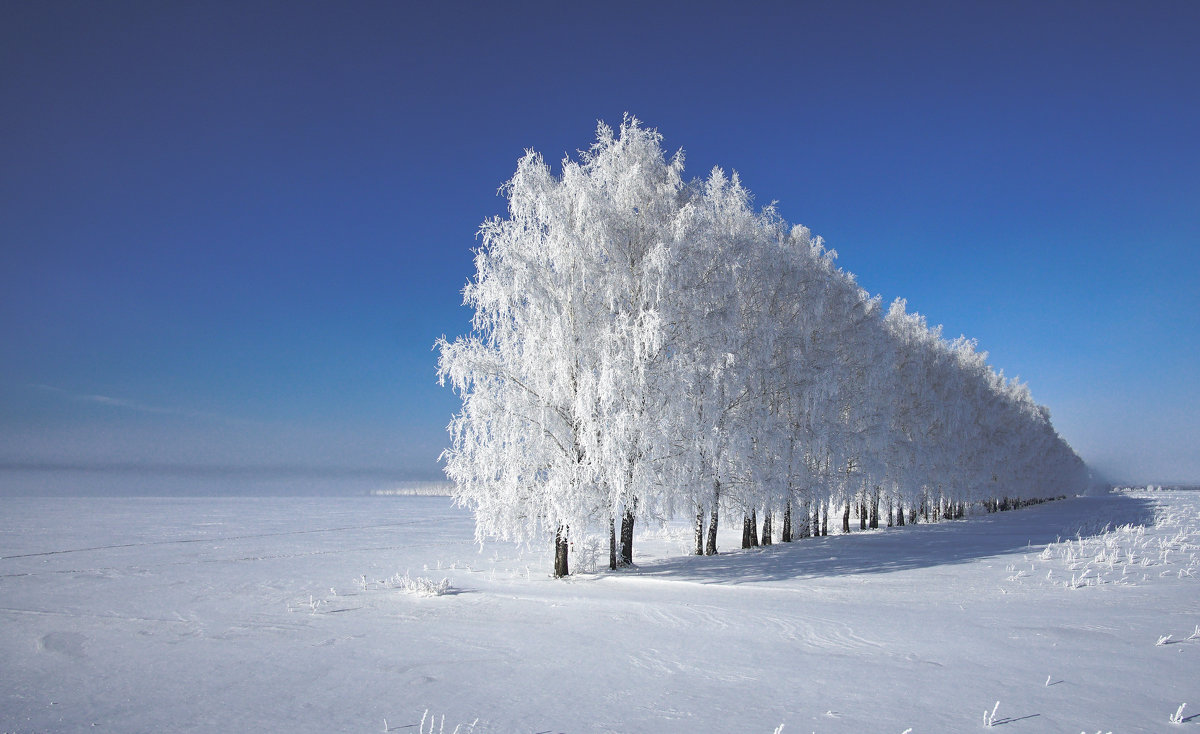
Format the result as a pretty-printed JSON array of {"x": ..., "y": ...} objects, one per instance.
[{"x": 645, "y": 344}]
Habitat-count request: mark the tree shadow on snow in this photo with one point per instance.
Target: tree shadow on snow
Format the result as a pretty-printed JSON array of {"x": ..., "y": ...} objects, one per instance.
[
  {"x": 913, "y": 546},
  {"x": 1014, "y": 719}
]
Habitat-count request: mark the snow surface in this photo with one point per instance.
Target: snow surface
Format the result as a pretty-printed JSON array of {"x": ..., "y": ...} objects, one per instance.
[{"x": 290, "y": 615}]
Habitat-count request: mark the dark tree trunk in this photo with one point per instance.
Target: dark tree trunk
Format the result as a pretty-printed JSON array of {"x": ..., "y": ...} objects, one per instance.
[
  {"x": 711, "y": 548},
  {"x": 890, "y": 508},
  {"x": 612, "y": 543},
  {"x": 846, "y": 518},
  {"x": 699, "y": 529},
  {"x": 753, "y": 528},
  {"x": 745, "y": 531},
  {"x": 899, "y": 514},
  {"x": 560, "y": 552},
  {"x": 912, "y": 516},
  {"x": 768, "y": 531},
  {"x": 862, "y": 513},
  {"x": 824, "y": 518},
  {"x": 874, "y": 520},
  {"x": 786, "y": 535},
  {"x": 627, "y": 535}
]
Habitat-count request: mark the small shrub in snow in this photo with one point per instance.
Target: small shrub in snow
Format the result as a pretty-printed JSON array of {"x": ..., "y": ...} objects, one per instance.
[
  {"x": 441, "y": 726},
  {"x": 422, "y": 586},
  {"x": 419, "y": 585},
  {"x": 990, "y": 719},
  {"x": 1164, "y": 639},
  {"x": 1177, "y": 717},
  {"x": 588, "y": 550}
]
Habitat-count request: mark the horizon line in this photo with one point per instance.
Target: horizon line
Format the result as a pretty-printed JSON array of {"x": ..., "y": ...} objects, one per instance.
[{"x": 218, "y": 470}]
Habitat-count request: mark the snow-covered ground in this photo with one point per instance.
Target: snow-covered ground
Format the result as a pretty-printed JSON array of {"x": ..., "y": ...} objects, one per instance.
[{"x": 289, "y": 615}]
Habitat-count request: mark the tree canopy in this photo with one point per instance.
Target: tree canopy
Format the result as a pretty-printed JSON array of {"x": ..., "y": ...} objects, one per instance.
[{"x": 648, "y": 346}]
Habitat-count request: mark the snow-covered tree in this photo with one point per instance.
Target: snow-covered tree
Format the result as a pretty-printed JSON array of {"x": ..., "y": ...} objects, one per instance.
[
  {"x": 644, "y": 347},
  {"x": 560, "y": 402}
]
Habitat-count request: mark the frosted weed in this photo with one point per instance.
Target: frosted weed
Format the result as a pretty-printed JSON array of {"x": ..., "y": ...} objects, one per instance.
[{"x": 1177, "y": 717}]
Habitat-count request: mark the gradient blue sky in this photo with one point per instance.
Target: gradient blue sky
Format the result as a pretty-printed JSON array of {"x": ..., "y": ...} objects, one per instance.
[{"x": 231, "y": 232}]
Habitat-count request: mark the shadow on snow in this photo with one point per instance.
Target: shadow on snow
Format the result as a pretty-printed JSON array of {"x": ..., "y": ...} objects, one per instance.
[{"x": 913, "y": 546}]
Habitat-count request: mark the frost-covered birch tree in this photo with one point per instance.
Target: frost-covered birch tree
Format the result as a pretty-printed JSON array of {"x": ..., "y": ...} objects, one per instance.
[{"x": 561, "y": 406}]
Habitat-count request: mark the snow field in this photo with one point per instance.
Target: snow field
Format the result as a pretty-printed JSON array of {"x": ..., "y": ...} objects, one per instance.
[{"x": 338, "y": 614}]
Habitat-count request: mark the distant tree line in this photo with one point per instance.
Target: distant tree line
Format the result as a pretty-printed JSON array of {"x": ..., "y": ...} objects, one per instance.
[{"x": 645, "y": 347}]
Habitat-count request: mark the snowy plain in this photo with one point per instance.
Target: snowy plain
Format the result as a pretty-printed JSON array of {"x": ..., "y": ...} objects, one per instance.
[{"x": 286, "y": 614}]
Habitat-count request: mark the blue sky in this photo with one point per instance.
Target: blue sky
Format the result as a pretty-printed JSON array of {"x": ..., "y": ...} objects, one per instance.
[{"x": 231, "y": 232}]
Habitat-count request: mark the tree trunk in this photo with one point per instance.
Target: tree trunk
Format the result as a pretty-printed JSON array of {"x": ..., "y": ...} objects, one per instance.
[
  {"x": 846, "y": 518},
  {"x": 745, "y": 531},
  {"x": 786, "y": 536},
  {"x": 699, "y": 529},
  {"x": 889, "y": 510},
  {"x": 711, "y": 548},
  {"x": 560, "y": 552},
  {"x": 753, "y": 529},
  {"x": 874, "y": 520},
  {"x": 627, "y": 535},
  {"x": 768, "y": 531},
  {"x": 862, "y": 513},
  {"x": 612, "y": 543},
  {"x": 899, "y": 514},
  {"x": 824, "y": 518}
]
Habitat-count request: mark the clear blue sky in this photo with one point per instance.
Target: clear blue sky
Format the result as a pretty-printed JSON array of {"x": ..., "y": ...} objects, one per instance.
[{"x": 231, "y": 232}]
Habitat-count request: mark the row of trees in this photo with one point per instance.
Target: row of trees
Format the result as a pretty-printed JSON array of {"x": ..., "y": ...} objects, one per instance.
[{"x": 646, "y": 348}]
